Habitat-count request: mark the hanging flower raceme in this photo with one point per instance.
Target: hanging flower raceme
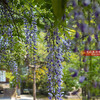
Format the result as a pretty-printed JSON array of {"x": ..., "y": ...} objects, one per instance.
[
  {"x": 15, "y": 72},
  {"x": 6, "y": 28},
  {"x": 31, "y": 37},
  {"x": 7, "y": 41},
  {"x": 86, "y": 24},
  {"x": 54, "y": 65},
  {"x": 66, "y": 44},
  {"x": 14, "y": 69}
]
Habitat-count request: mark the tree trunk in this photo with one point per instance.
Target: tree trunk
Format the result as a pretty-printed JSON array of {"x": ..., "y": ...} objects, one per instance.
[{"x": 34, "y": 84}]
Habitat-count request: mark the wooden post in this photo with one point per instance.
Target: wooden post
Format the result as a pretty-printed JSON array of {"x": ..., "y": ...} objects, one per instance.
[
  {"x": 34, "y": 83},
  {"x": 34, "y": 79}
]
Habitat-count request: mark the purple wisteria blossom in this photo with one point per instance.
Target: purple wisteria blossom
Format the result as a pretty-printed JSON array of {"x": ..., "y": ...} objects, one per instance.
[
  {"x": 31, "y": 36},
  {"x": 96, "y": 14},
  {"x": 74, "y": 4},
  {"x": 77, "y": 35},
  {"x": 81, "y": 79},
  {"x": 14, "y": 70},
  {"x": 54, "y": 65},
  {"x": 86, "y": 2}
]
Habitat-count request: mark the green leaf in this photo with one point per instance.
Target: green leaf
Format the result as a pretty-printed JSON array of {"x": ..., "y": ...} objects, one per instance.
[
  {"x": 39, "y": 24},
  {"x": 59, "y": 8},
  {"x": 39, "y": 1}
]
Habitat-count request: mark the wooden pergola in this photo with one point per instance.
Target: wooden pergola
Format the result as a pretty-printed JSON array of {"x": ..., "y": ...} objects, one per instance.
[{"x": 35, "y": 66}]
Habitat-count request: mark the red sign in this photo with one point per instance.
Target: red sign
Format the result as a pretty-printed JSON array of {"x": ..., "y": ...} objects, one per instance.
[{"x": 90, "y": 53}]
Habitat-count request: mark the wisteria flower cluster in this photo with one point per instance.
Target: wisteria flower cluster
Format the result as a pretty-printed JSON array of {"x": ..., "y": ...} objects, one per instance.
[
  {"x": 6, "y": 28},
  {"x": 6, "y": 35},
  {"x": 86, "y": 24},
  {"x": 54, "y": 59},
  {"x": 31, "y": 37},
  {"x": 66, "y": 44},
  {"x": 14, "y": 70}
]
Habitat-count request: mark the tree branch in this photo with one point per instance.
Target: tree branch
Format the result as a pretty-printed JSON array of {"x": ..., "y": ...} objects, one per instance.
[{"x": 39, "y": 13}]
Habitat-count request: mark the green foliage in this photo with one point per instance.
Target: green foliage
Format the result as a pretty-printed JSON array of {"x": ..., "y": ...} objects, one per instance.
[
  {"x": 59, "y": 8},
  {"x": 11, "y": 79},
  {"x": 51, "y": 11}
]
